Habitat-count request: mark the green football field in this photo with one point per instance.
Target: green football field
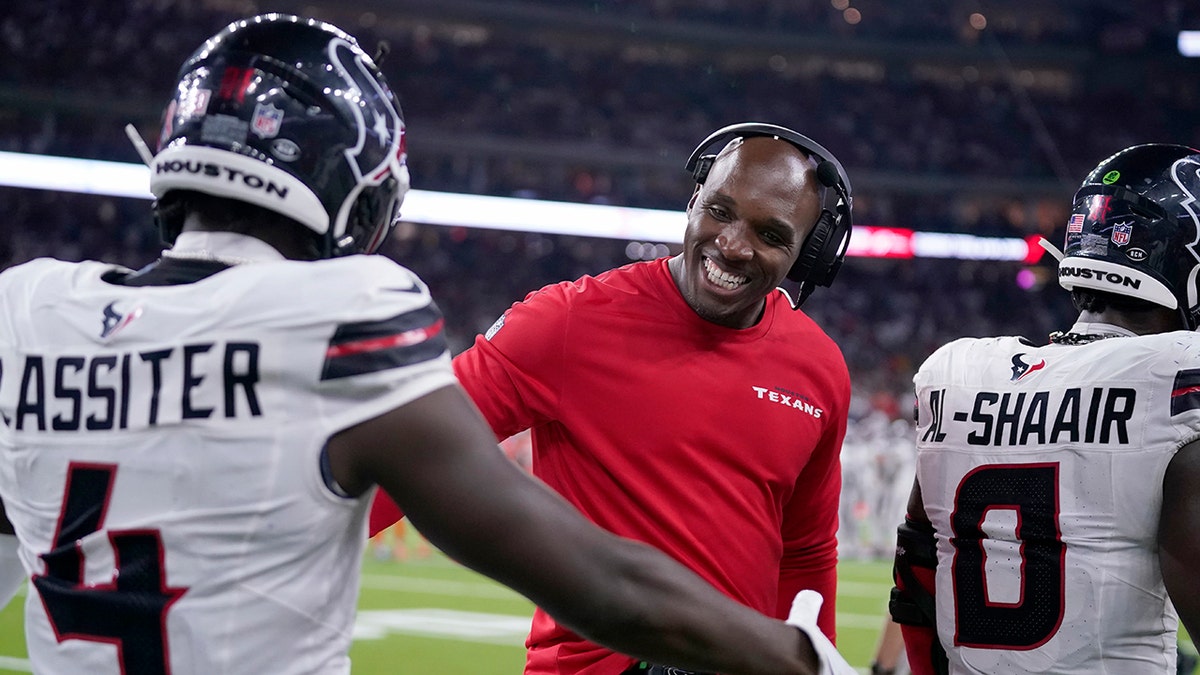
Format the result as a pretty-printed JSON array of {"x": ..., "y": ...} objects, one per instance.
[{"x": 432, "y": 616}]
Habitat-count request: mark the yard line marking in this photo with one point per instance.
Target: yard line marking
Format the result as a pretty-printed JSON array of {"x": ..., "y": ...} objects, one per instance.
[
  {"x": 484, "y": 589},
  {"x": 15, "y": 665},
  {"x": 872, "y": 622},
  {"x": 864, "y": 589},
  {"x": 448, "y": 624},
  {"x": 383, "y": 582},
  {"x": 500, "y": 629}
]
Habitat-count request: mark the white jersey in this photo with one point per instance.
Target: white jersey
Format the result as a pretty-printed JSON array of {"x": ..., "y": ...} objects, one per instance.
[
  {"x": 161, "y": 456},
  {"x": 1041, "y": 470}
]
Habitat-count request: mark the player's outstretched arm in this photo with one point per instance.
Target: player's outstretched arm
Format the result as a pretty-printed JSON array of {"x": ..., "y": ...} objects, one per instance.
[
  {"x": 1179, "y": 534},
  {"x": 438, "y": 459}
]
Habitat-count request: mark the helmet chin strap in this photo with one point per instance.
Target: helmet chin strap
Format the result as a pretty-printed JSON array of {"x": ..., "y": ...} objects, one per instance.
[
  {"x": 143, "y": 150},
  {"x": 1051, "y": 249},
  {"x": 1192, "y": 308}
]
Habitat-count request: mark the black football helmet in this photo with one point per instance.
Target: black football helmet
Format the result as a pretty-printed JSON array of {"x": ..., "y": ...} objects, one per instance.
[
  {"x": 1134, "y": 229},
  {"x": 291, "y": 115}
]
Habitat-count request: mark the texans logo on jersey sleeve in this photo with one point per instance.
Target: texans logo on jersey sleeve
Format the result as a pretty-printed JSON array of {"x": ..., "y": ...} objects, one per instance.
[{"x": 1020, "y": 369}]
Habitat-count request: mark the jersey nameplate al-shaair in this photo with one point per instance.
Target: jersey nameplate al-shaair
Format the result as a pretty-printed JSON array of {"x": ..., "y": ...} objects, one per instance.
[{"x": 1041, "y": 470}]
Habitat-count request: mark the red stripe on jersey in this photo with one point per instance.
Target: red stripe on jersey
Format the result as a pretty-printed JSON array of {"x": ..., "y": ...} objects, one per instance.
[
  {"x": 1183, "y": 391},
  {"x": 408, "y": 337}
]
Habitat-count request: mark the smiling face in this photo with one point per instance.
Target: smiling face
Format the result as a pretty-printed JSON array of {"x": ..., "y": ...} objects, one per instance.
[{"x": 746, "y": 224}]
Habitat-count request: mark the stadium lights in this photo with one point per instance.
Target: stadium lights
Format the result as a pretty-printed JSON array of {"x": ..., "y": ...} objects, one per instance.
[
  {"x": 1189, "y": 42},
  {"x": 118, "y": 179}
]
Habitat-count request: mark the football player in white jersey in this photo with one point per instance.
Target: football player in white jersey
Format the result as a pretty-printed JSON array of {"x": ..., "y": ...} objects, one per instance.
[
  {"x": 1054, "y": 526},
  {"x": 188, "y": 451}
]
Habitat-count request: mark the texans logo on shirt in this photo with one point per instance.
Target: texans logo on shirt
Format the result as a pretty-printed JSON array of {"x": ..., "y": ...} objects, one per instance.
[{"x": 1020, "y": 369}]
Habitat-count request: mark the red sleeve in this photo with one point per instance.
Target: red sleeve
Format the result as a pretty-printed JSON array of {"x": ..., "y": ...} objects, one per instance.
[
  {"x": 384, "y": 513},
  {"x": 503, "y": 373},
  {"x": 921, "y": 644},
  {"x": 810, "y": 524},
  {"x": 512, "y": 373}
]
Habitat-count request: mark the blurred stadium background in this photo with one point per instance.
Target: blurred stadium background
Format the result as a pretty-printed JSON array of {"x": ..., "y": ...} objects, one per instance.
[{"x": 953, "y": 117}]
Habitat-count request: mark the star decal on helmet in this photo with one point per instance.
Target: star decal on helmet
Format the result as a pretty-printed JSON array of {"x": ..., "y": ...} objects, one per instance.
[{"x": 381, "y": 130}]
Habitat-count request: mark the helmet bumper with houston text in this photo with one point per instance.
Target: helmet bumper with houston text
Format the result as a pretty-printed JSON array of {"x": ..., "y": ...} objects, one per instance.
[
  {"x": 291, "y": 115},
  {"x": 1134, "y": 229}
]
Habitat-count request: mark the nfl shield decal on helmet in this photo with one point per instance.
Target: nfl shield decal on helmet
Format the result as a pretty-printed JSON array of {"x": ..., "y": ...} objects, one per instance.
[
  {"x": 267, "y": 119},
  {"x": 1121, "y": 232}
]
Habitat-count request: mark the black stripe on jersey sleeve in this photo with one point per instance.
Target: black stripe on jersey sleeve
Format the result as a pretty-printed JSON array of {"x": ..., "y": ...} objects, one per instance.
[
  {"x": 372, "y": 346},
  {"x": 1185, "y": 393}
]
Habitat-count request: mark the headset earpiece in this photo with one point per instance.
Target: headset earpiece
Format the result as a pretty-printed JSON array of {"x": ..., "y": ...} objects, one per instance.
[
  {"x": 700, "y": 171},
  {"x": 824, "y": 249},
  {"x": 810, "y": 251}
]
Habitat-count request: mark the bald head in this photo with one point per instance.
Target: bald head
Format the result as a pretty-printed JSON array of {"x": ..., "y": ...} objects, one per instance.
[{"x": 771, "y": 158}]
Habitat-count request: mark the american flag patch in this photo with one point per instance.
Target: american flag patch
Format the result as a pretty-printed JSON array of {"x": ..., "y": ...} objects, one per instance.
[
  {"x": 1185, "y": 393},
  {"x": 1075, "y": 224}
]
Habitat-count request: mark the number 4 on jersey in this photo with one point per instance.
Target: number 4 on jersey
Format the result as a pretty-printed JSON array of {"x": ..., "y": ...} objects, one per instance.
[{"x": 128, "y": 611}]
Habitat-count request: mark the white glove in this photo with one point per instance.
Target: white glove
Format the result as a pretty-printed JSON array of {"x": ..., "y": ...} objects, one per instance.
[
  {"x": 12, "y": 574},
  {"x": 805, "y": 608}
]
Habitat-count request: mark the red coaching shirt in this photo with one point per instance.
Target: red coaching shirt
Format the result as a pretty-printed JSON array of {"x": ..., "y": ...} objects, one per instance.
[{"x": 717, "y": 445}]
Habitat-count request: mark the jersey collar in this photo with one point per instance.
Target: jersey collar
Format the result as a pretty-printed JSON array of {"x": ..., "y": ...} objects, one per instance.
[{"x": 230, "y": 248}]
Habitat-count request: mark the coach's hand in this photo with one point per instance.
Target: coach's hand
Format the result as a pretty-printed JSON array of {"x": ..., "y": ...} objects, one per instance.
[{"x": 805, "y": 608}]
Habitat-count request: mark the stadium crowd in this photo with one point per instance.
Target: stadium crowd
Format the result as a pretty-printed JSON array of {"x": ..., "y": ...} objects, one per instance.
[
  {"x": 561, "y": 110},
  {"x": 942, "y": 125}
]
